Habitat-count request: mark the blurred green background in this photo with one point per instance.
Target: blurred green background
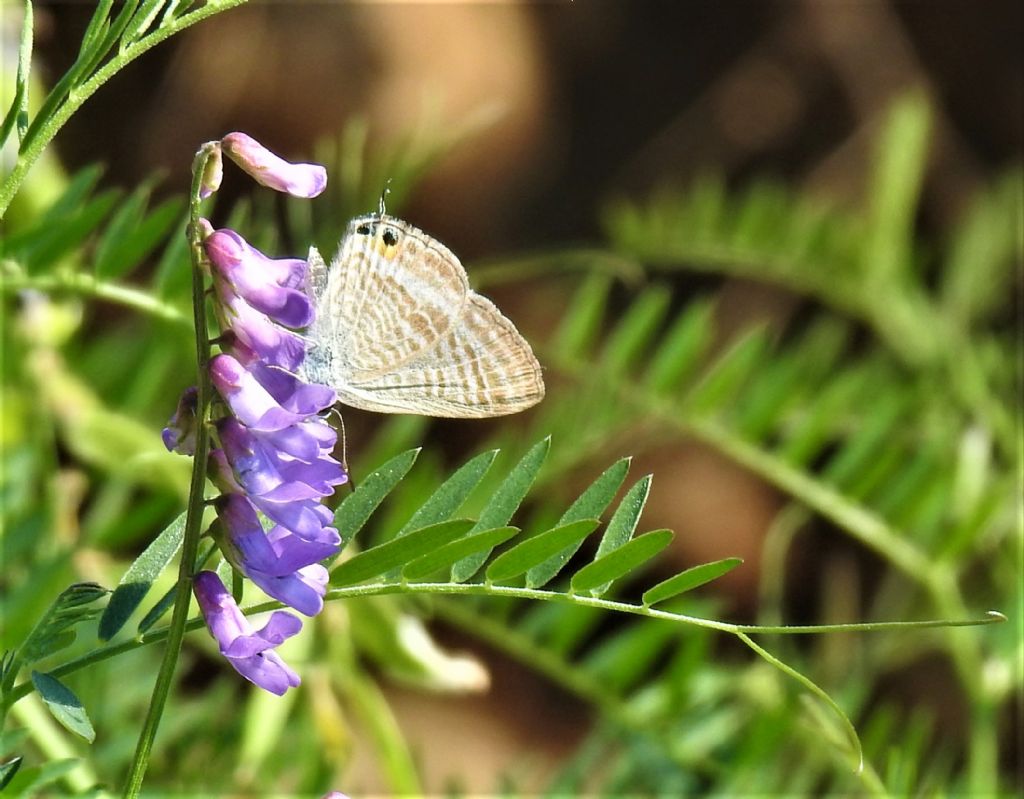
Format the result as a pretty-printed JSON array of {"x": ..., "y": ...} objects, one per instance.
[{"x": 771, "y": 250}]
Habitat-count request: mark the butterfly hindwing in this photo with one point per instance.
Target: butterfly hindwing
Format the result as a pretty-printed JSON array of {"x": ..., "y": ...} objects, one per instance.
[{"x": 482, "y": 367}]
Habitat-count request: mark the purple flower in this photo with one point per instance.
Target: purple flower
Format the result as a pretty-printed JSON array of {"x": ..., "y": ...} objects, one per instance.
[
  {"x": 271, "y": 286},
  {"x": 260, "y": 468},
  {"x": 248, "y": 400},
  {"x": 284, "y": 565},
  {"x": 180, "y": 434},
  {"x": 249, "y": 652},
  {"x": 261, "y": 338},
  {"x": 267, "y": 169}
]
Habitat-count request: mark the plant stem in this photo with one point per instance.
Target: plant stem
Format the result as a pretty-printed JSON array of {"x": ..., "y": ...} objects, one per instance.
[
  {"x": 87, "y": 284},
  {"x": 193, "y": 521},
  {"x": 79, "y": 94},
  {"x": 482, "y": 589}
]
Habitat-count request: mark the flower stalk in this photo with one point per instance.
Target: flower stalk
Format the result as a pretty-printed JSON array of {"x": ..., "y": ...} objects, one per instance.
[{"x": 196, "y": 506}]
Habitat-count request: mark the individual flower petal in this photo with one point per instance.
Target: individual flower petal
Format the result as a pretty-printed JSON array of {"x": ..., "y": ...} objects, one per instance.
[
  {"x": 248, "y": 400},
  {"x": 261, "y": 338},
  {"x": 267, "y": 169},
  {"x": 292, "y": 393},
  {"x": 271, "y": 286},
  {"x": 180, "y": 434},
  {"x": 302, "y": 589},
  {"x": 262, "y": 470},
  {"x": 305, "y": 441},
  {"x": 249, "y": 653},
  {"x": 305, "y": 518}
]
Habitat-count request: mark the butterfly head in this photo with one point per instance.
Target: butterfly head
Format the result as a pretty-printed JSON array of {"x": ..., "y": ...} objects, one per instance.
[{"x": 378, "y": 232}]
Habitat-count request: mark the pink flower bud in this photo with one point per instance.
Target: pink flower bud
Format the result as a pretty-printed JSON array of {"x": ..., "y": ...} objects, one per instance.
[{"x": 267, "y": 169}]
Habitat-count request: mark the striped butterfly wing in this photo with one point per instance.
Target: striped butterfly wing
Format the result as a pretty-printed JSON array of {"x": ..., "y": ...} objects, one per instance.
[
  {"x": 399, "y": 331},
  {"x": 390, "y": 294},
  {"x": 482, "y": 367}
]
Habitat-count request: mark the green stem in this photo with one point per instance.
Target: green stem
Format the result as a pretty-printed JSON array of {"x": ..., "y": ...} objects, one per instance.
[
  {"x": 482, "y": 589},
  {"x": 88, "y": 285},
  {"x": 34, "y": 148},
  {"x": 193, "y": 521}
]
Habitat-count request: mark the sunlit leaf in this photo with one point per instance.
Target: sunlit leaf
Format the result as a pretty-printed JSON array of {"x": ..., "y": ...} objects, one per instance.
[{"x": 63, "y": 705}]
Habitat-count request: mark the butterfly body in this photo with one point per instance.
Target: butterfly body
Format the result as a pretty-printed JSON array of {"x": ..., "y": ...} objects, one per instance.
[{"x": 399, "y": 330}]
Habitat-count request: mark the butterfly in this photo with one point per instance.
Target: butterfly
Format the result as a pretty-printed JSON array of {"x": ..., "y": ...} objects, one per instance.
[{"x": 399, "y": 330}]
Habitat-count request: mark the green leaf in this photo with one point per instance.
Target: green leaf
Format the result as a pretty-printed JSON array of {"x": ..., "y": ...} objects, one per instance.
[
  {"x": 449, "y": 497},
  {"x": 589, "y": 505},
  {"x": 899, "y": 165},
  {"x": 132, "y": 234},
  {"x": 141, "y": 22},
  {"x": 8, "y": 770},
  {"x": 599, "y": 494},
  {"x": 18, "y": 114},
  {"x": 619, "y": 561},
  {"x": 624, "y": 521},
  {"x": 483, "y": 541},
  {"x": 506, "y": 499},
  {"x": 680, "y": 348},
  {"x": 357, "y": 507},
  {"x": 172, "y": 274},
  {"x": 583, "y": 322},
  {"x": 620, "y": 661},
  {"x": 155, "y": 613},
  {"x": 58, "y": 240},
  {"x": 51, "y": 631},
  {"x": 398, "y": 552},
  {"x": 635, "y": 331},
  {"x": 28, "y": 781},
  {"x": 689, "y": 579},
  {"x": 524, "y": 556},
  {"x": 727, "y": 375},
  {"x": 63, "y": 705},
  {"x": 139, "y": 578}
]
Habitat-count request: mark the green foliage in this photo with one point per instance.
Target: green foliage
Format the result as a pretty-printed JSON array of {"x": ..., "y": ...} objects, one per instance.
[
  {"x": 139, "y": 578},
  {"x": 883, "y": 413},
  {"x": 63, "y": 705}
]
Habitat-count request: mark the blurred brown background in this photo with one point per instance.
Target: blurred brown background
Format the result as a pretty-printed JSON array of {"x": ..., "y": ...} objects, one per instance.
[{"x": 597, "y": 99}]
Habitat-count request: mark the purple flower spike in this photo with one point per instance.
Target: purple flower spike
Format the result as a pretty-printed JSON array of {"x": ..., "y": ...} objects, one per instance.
[
  {"x": 180, "y": 434},
  {"x": 250, "y": 653},
  {"x": 267, "y": 169},
  {"x": 271, "y": 286}
]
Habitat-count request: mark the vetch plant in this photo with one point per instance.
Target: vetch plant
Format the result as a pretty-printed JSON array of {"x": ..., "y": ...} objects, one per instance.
[{"x": 261, "y": 504}]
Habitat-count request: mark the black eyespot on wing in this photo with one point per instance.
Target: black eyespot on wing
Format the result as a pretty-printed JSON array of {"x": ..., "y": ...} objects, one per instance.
[
  {"x": 390, "y": 237},
  {"x": 364, "y": 230}
]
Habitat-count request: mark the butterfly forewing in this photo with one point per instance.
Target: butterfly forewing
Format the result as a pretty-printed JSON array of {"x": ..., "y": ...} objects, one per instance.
[
  {"x": 399, "y": 331},
  {"x": 391, "y": 293}
]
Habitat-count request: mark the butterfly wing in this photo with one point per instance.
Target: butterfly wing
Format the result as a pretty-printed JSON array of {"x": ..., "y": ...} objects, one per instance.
[
  {"x": 390, "y": 294},
  {"x": 481, "y": 367}
]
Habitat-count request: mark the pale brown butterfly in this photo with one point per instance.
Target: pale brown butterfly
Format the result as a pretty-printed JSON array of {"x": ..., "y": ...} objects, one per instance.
[{"x": 398, "y": 329}]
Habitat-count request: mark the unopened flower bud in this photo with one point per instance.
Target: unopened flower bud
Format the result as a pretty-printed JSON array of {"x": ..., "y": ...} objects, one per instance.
[
  {"x": 180, "y": 434},
  {"x": 213, "y": 173},
  {"x": 267, "y": 169}
]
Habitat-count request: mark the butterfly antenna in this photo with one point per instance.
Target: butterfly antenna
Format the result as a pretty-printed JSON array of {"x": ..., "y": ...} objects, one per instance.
[
  {"x": 381, "y": 209},
  {"x": 344, "y": 449}
]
